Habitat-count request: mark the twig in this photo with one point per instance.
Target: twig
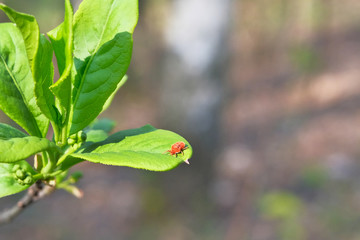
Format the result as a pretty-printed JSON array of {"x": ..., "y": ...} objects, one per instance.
[{"x": 36, "y": 192}]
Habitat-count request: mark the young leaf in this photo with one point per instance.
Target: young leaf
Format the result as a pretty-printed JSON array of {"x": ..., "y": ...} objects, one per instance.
[
  {"x": 17, "y": 98},
  {"x": 28, "y": 27},
  {"x": 9, "y": 183},
  {"x": 16, "y": 149},
  {"x": 102, "y": 54},
  {"x": 62, "y": 41},
  {"x": 144, "y": 148},
  {"x": 104, "y": 124},
  {"x": 58, "y": 38},
  {"x": 96, "y": 136},
  {"x": 43, "y": 72},
  {"x": 109, "y": 100},
  {"x": 7, "y": 132},
  {"x": 98, "y": 21}
]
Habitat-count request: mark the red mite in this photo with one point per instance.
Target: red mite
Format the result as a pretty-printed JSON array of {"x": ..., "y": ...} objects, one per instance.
[{"x": 177, "y": 148}]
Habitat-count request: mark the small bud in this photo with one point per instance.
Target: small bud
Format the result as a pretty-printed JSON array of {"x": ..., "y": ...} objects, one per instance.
[
  {"x": 73, "y": 136},
  {"x": 28, "y": 180},
  {"x": 77, "y": 138},
  {"x": 21, "y": 182},
  {"x": 83, "y": 136},
  {"x": 74, "y": 191},
  {"x": 77, "y": 192},
  {"x": 76, "y": 145},
  {"x": 71, "y": 141},
  {"x": 20, "y": 174},
  {"x": 16, "y": 167}
]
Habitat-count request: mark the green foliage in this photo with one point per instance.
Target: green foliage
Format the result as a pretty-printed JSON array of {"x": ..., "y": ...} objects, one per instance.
[
  {"x": 28, "y": 28},
  {"x": 15, "y": 178},
  {"x": 16, "y": 149},
  {"x": 102, "y": 55},
  {"x": 7, "y": 132},
  {"x": 43, "y": 72},
  {"x": 17, "y": 84},
  {"x": 62, "y": 40},
  {"x": 138, "y": 148},
  {"x": 93, "y": 51}
]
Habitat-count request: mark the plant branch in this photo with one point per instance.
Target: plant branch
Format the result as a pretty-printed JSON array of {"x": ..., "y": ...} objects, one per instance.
[{"x": 36, "y": 192}]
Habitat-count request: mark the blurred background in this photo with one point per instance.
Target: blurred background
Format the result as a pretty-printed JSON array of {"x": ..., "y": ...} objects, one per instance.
[{"x": 268, "y": 94}]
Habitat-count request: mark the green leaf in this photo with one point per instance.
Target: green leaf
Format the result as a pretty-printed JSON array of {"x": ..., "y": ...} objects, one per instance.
[
  {"x": 9, "y": 183},
  {"x": 43, "y": 73},
  {"x": 39, "y": 53},
  {"x": 104, "y": 124},
  {"x": 98, "y": 21},
  {"x": 58, "y": 40},
  {"x": 62, "y": 41},
  {"x": 28, "y": 27},
  {"x": 16, "y": 149},
  {"x": 110, "y": 99},
  {"x": 144, "y": 148},
  {"x": 96, "y": 136},
  {"x": 69, "y": 162},
  {"x": 17, "y": 98},
  {"x": 7, "y": 132},
  {"x": 102, "y": 54}
]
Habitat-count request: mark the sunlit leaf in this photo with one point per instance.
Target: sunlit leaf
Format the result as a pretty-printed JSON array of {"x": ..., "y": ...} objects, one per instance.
[{"x": 144, "y": 148}]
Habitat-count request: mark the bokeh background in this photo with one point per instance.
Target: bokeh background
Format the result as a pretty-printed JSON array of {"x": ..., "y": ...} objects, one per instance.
[{"x": 267, "y": 92}]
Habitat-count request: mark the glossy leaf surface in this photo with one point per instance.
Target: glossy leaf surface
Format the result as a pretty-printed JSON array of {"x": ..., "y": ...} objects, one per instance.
[
  {"x": 62, "y": 41},
  {"x": 9, "y": 184},
  {"x": 16, "y": 149},
  {"x": 17, "y": 98},
  {"x": 28, "y": 27},
  {"x": 7, "y": 131},
  {"x": 102, "y": 49},
  {"x": 43, "y": 72},
  {"x": 144, "y": 148}
]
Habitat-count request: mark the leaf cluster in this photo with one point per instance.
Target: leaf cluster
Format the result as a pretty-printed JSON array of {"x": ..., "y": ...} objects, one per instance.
[{"x": 93, "y": 49}]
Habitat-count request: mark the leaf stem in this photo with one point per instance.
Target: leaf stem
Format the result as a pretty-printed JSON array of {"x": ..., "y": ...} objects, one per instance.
[
  {"x": 51, "y": 163},
  {"x": 44, "y": 159},
  {"x": 56, "y": 131},
  {"x": 38, "y": 176},
  {"x": 69, "y": 151},
  {"x": 64, "y": 135},
  {"x": 53, "y": 174}
]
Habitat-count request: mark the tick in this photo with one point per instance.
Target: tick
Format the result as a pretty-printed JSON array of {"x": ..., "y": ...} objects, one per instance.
[{"x": 177, "y": 148}]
